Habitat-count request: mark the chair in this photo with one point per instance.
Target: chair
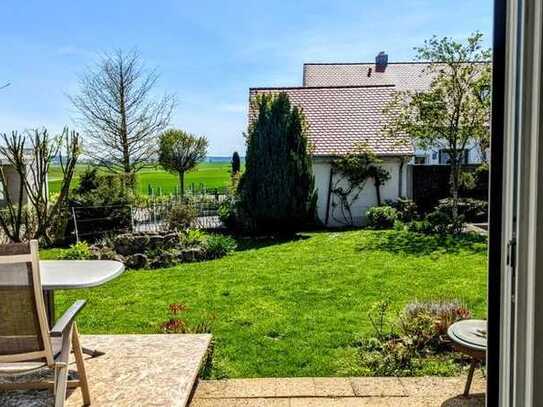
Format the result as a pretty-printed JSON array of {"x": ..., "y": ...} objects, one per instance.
[{"x": 26, "y": 342}]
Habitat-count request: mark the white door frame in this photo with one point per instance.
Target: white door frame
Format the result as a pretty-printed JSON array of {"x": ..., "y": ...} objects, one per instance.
[{"x": 521, "y": 325}]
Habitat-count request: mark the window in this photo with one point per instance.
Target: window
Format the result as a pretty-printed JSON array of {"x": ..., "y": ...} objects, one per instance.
[
  {"x": 420, "y": 159},
  {"x": 444, "y": 156}
]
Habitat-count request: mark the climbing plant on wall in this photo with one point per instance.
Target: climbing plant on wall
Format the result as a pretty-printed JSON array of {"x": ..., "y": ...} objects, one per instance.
[{"x": 352, "y": 171}]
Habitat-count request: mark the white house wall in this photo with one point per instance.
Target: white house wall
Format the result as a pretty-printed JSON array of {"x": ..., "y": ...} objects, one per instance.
[
  {"x": 366, "y": 199},
  {"x": 432, "y": 154}
]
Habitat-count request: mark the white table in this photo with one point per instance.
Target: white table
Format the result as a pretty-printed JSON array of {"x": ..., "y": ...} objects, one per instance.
[
  {"x": 75, "y": 274},
  {"x": 469, "y": 337}
]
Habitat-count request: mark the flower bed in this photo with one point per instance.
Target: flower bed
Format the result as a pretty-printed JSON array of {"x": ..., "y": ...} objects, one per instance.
[{"x": 155, "y": 250}]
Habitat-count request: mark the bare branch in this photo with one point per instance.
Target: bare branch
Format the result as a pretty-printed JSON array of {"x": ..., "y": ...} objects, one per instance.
[{"x": 120, "y": 118}]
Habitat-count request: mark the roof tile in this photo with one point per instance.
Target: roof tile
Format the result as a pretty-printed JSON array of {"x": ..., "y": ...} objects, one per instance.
[{"x": 340, "y": 118}]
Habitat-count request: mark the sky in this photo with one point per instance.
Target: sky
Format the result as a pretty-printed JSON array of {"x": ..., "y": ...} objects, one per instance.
[{"x": 208, "y": 53}]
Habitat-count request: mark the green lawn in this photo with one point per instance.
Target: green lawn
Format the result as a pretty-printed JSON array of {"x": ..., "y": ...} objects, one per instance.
[
  {"x": 291, "y": 308},
  {"x": 212, "y": 175}
]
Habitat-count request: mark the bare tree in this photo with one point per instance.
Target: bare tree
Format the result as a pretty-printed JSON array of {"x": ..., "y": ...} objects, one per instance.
[
  {"x": 32, "y": 166},
  {"x": 118, "y": 114}
]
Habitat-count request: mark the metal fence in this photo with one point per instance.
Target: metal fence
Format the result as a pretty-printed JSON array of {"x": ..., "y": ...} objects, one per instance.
[{"x": 91, "y": 222}]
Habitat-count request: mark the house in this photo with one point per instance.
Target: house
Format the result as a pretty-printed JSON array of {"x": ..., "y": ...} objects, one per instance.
[
  {"x": 404, "y": 76},
  {"x": 339, "y": 119},
  {"x": 13, "y": 183},
  {"x": 343, "y": 104}
]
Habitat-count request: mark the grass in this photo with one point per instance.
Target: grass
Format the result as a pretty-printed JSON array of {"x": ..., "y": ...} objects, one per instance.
[
  {"x": 292, "y": 308},
  {"x": 212, "y": 175}
]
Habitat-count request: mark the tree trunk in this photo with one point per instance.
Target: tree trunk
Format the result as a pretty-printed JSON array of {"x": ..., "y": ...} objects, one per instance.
[
  {"x": 378, "y": 192},
  {"x": 455, "y": 175},
  {"x": 124, "y": 125},
  {"x": 182, "y": 184}
]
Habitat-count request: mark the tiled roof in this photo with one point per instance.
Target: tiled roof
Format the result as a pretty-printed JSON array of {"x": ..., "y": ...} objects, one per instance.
[
  {"x": 404, "y": 75},
  {"x": 341, "y": 117}
]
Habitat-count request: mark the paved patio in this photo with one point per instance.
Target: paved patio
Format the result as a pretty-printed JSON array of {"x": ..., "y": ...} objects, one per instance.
[
  {"x": 339, "y": 392},
  {"x": 137, "y": 370},
  {"x": 161, "y": 370}
]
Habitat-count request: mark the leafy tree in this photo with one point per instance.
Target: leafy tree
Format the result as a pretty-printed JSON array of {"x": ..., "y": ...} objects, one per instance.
[
  {"x": 276, "y": 191},
  {"x": 118, "y": 114},
  {"x": 236, "y": 163},
  {"x": 455, "y": 109},
  {"x": 181, "y": 152}
]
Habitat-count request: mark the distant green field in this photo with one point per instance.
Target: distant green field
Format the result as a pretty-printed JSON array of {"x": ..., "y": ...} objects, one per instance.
[{"x": 210, "y": 175}]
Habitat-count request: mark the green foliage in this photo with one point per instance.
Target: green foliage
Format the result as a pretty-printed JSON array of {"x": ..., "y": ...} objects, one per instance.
[
  {"x": 276, "y": 191},
  {"x": 103, "y": 204},
  {"x": 381, "y": 217},
  {"x": 400, "y": 348},
  {"x": 193, "y": 237},
  {"x": 426, "y": 323},
  {"x": 88, "y": 180},
  {"x": 418, "y": 226},
  {"x": 407, "y": 209},
  {"x": 455, "y": 109},
  {"x": 443, "y": 222},
  {"x": 217, "y": 246},
  {"x": 181, "y": 216},
  {"x": 77, "y": 251},
  {"x": 181, "y": 152},
  {"x": 472, "y": 210},
  {"x": 227, "y": 214},
  {"x": 236, "y": 163},
  {"x": 352, "y": 171}
]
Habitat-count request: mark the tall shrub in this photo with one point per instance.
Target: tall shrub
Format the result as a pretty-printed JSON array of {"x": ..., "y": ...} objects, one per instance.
[
  {"x": 236, "y": 163},
  {"x": 276, "y": 190}
]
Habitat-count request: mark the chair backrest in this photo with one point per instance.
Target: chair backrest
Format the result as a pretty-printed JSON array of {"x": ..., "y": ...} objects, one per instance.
[{"x": 24, "y": 332}]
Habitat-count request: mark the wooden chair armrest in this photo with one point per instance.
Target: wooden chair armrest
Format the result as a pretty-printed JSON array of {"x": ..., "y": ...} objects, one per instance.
[{"x": 67, "y": 319}]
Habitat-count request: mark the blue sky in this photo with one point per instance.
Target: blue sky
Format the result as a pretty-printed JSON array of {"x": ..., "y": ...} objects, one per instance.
[{"x": 208, "y": 53}]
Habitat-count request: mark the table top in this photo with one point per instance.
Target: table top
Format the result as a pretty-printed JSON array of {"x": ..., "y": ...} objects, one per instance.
[
  {"x": 470, "y": 333},
  {"x": 73, "y": 274}
]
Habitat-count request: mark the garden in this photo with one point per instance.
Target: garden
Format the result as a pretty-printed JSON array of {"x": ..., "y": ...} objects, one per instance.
[
  {"x": 299, "y": 307},
  {"x": 281, "y": 296}
]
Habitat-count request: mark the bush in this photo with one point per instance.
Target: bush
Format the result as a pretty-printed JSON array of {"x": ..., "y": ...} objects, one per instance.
[
  {"x": 407, "y": 209},
  {"x": 381, "y": 217},
  {"x": 77, "y": 251},
  {"x": 217, "y": 246},
  {"x": 420, "y": 226},
  {"x": 227, "y": 214},
  {"x": 442, "y": 222},
  {"x": 426, "y": 323},
  {"x": 397, "y": 348},
  {"x": 181, "y": 217},
  {"x": 193, "y": 237},
  {"x": 473, "y": 210},
  {"x": 102, "y": 204},
  {"x": 444, "y": 312}
]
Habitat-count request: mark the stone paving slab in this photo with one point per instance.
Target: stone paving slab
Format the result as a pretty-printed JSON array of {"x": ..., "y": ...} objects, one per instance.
[
  {"x": 339, "y": 392},
  {"x": 136, "y": 370}
]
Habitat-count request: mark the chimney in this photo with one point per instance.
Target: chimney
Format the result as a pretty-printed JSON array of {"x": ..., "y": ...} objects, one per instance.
[{"x": 381, "y": 61}]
